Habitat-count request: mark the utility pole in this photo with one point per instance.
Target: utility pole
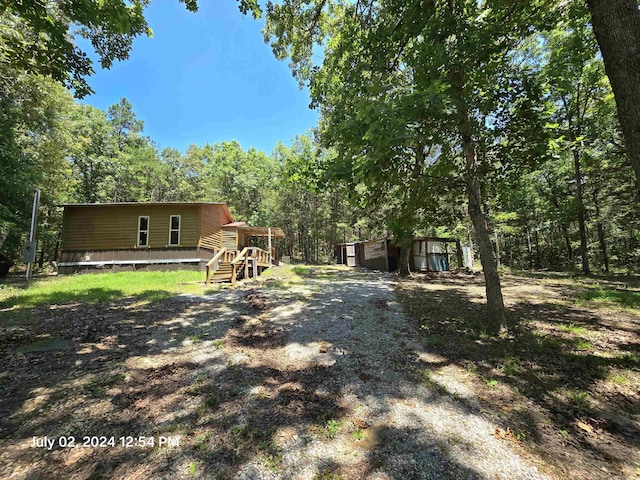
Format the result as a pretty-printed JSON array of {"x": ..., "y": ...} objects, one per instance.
[{"x": 29, "y": 252}]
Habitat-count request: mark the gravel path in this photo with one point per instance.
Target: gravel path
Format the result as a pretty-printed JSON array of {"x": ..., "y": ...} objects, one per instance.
[
  {"x": 351, "y": 326},
  {"x": 282, "y": 379}
]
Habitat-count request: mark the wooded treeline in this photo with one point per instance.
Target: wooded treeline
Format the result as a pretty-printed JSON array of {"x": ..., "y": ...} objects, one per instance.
[
  {"x": 76, "y": 153},
  {"x": 493, "y": 121}
]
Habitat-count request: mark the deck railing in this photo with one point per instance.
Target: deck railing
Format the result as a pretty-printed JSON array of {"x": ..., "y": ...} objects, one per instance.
[
  {"x": 248, "y": 257},
  {"x": 223, "y": 255}
]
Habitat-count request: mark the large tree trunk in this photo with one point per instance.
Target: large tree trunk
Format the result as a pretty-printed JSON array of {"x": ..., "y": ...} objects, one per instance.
[
  {"x": 616, "y": 24},
  {"x": 581, "y": 214},
  {"x": 495, "y": 304},
  {"x": 496, "y": 319},
  {"x": 404, "y": 268}
]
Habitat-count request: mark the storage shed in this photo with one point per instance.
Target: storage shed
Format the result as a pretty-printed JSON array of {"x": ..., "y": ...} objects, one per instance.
[
  {"x": 428, "y": 254},
  {"x": 372, "y": 254}
]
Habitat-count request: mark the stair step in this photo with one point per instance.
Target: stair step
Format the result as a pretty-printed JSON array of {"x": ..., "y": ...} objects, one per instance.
[{"x": 221, "y": 278}]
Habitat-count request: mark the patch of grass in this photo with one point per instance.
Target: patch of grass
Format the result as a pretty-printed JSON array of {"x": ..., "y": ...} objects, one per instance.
[
  {"x": 197, "y": 337},
  {"x": 210, "y": 401},
  {"x": 332, "y": 428},
  {"x": 574, "y": 329},
  {"x": 327, "y": 474},
  {"x": 511, "y": 366},
  {"x": 272, "y": 461},
  {"x": 357, "y": 435},
  {"x": 491, "y": 383},
  {"x": 623, "y": 298},
  {"x": 580, "y": 400},
  {"x": 628, "y": 359},
  {"x": 583, "y": 344},
  {"x": 203, "y": 441},
  {"x": 102, "y": 287},
  {"x": 217, "y": 343},
  {"x": 620, "y": 378}
]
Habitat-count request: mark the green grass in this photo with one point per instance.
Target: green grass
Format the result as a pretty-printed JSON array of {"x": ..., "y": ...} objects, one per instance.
[
  {"x": 332, "y": 428},
  {"x": 574, "y": 329},
  {"x": 623, "y": 298},
  {"x": 100, "y": 287}
]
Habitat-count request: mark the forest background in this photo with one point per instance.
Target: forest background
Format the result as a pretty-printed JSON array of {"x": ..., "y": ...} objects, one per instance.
[{"x": 557, "y": 187}]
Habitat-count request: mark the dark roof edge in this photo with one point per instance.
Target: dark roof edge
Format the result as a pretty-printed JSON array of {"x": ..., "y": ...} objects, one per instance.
[{"x": 137, "y": 203}]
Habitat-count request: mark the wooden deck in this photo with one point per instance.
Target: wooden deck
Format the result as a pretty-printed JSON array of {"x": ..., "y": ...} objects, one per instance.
[{"x": 232, "y": 265}]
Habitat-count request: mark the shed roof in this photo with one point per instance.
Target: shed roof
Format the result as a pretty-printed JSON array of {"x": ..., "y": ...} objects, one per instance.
[
  {"x": 262, "y": 231},
  {"x": 234, "y": 224}
]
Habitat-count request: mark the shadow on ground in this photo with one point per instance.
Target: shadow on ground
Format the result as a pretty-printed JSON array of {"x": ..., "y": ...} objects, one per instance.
[
  {"x": 549, "y": 381},
  {"x": 182, "y": 367}
]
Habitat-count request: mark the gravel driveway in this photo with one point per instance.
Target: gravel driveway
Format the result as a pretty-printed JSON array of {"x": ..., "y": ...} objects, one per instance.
[
  {"x": 310, "y": 376},
  {"x": 349, "y": 326}
]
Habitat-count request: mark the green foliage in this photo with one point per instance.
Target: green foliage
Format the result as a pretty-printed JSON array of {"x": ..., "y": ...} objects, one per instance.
[
  {"x": 332, "y": 428},
  {"x": 395, "y": 85}
]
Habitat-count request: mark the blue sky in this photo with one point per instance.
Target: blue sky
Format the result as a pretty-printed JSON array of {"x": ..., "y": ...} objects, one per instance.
[{"x": 206, "y": 77}]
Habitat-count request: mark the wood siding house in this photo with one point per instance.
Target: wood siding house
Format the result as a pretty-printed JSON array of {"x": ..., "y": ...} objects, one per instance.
[{"x": 160, "y": 236}]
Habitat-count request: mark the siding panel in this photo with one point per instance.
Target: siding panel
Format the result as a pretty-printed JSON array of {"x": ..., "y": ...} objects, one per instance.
[
  {"x": 212, "y": 217},
  {"x": 116, "y": 226}
]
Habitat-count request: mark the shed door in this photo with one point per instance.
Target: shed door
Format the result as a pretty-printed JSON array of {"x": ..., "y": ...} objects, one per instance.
[
  {"x": 351, "y": 255},
  {"x": 419, "y": 255}
]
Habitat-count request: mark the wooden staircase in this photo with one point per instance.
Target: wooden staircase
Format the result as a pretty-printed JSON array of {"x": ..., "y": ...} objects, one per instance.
[{"x": 231, "y": 265}]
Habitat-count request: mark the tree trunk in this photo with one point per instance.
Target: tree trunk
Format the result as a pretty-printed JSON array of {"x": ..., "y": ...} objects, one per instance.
[
  {"x": 404, "y": 267},
  {"x": 496, "y": 319},
  {"x": 567, "y": 242},
  {"x": 563, "y": 225},
  {"x": 616, "y": 25},
  {"x": 529, "y": 249},
  {"x": 601, "y": 237},
  {"x": 538, "y": 257},
  {"x": 305, "y": 226},
  {"x": 43, "y": 247},
  {"x": 495, "y": 304},
  {"x": 581, "y": 214}
]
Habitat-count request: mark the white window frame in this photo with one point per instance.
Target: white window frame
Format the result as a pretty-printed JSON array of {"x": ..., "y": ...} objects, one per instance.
[
  {"x": 140, "y": 231},
  {"x": 171, "y": 230}
]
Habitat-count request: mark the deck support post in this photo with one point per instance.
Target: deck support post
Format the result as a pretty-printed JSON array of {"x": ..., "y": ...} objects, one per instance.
[
  {"x": 255, "y": 263},
  {"x": 270, "y": 251}
]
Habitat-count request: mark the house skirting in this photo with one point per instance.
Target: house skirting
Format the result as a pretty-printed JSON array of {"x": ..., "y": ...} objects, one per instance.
[{"x": 135, "y": 259}]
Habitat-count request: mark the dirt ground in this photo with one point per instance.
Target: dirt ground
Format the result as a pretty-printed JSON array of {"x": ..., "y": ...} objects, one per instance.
[
  {"x": 564, "y": 384},
  {"x": 320, "y": 376}
]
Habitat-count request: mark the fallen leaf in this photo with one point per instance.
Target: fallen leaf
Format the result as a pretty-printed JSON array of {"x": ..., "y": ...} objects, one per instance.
[{"x": 585, "y": 427}]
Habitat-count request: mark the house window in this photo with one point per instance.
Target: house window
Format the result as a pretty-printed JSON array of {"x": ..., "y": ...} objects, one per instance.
[
  {"x": 143, "y": 231},
  {"x": 174, "y": 230}
]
